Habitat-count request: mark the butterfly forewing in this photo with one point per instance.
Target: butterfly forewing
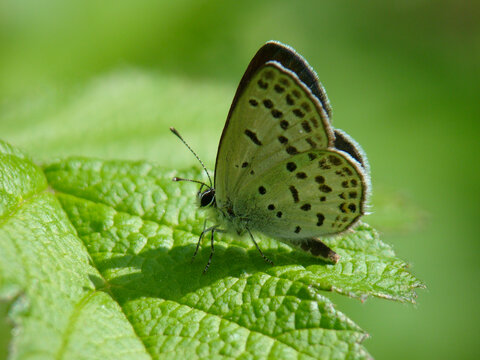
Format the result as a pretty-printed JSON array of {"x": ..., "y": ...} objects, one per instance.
[{"x": 274, "y": 118}]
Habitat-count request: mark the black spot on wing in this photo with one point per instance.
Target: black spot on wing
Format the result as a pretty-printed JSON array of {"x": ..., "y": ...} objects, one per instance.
[
  {"x": 322, "y": 164},
  {"x": 306, "y": 126},
  {"x": 294, "y": 192},
  {"x": 268, "y": 103},
  {"x": 334, "y": 160},
  {"x": 262, "y": 84},
  {"x": 291, "y": 166},
  {"x": 279, "y": 89},
  {"x": 292, "y": 150},
  {"x": 276, "y": 113},
  {"x": 306, "y": 207},
  {"x": 348, "y": 171},
  {"x": 306, "y": 107},
  {"x": 320, "y": 218},
  {"x": 325, "y": 188},
  {"x": 253, "y": 137},
  {"x": 290, "y": 100},
  {"x": 298, "y": 113}
]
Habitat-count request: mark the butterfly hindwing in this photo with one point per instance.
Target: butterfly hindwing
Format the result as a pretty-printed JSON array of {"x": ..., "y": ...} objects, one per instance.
[{"x": 315, "y": 193}]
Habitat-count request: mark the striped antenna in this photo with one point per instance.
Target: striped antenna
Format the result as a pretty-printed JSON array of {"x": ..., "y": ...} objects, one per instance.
[{"x": 173, "y": 130}]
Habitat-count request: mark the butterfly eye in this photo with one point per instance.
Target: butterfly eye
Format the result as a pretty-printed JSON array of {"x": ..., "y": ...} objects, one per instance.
[{"x": 207, "y": 197}]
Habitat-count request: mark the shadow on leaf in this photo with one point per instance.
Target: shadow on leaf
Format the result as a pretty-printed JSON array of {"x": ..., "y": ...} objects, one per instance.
[{"x": 170, "y": 273}]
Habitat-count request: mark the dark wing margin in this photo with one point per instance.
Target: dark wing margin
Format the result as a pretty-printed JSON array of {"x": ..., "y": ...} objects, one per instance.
[
  {"x": 345, "y": 143},
  {"x": 288, "y": 58}
]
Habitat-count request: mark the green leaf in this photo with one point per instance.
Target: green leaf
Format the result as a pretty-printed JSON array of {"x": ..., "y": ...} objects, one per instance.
[
  {"x": 5, "y": 326},
  {"x": 99, "y": 253},
  {"x": 59, "y": 313}
]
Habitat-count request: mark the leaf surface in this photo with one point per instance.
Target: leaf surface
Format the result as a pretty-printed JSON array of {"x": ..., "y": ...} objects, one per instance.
[{"x": 99, "y": 255}]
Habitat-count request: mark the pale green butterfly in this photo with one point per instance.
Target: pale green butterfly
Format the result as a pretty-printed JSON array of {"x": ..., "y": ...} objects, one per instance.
[{"x": 281, "y": 168}]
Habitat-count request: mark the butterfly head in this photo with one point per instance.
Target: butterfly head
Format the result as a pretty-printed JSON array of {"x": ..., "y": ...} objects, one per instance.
[{"x": 206, "y": 198}]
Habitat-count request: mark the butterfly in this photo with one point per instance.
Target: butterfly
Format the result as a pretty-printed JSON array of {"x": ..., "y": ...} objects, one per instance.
[{"x": 281, "y": 168}]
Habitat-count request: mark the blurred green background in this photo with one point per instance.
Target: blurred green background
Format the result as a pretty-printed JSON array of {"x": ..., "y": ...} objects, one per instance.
[{"x": 107, "y": 79}]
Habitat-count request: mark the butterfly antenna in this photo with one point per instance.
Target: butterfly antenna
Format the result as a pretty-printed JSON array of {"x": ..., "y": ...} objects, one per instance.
[
  {"x": 173, "y": 130},
  {"x": 191, "y": 180}
]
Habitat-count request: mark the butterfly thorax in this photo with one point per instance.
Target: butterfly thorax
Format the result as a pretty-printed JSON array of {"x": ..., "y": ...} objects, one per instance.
[{"x": 223, "y": 213}]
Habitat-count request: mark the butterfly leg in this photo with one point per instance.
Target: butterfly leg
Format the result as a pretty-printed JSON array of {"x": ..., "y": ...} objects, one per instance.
[
  {"x": 258, "y": 248},
  {"x": 204, "y": 231},
  {"x": 212, "y": 251}
]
